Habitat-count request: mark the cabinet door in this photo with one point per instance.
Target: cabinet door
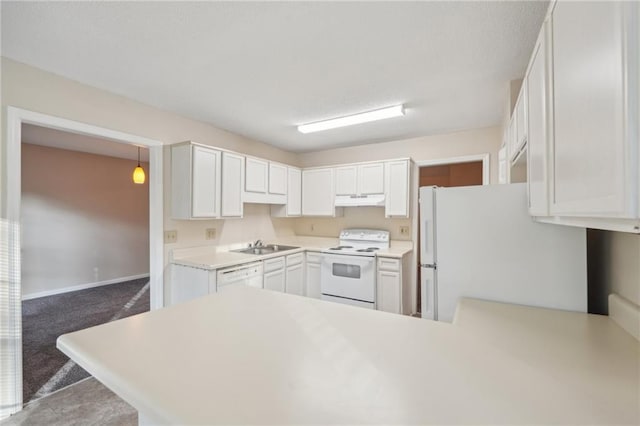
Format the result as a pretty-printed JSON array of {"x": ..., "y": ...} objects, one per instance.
[
  {"x": 313, "y": 280},
  {"x": 295, "y": 279},
  {"x": 388, "y": 292},
  {"x": 347, "y": 180},
  {"x": 397, "y": 193},
  {"x": 521, "y": 122},
  {"x": 318, "y": 192},
  {"x": 513, "y": 137},
  {"x": 502, "y": 165},
  {"x": 232, "y": 184},
  {"x": 589, "y": 146},
  {"x": 274, "y": 280},
  {"x": 371, "y": 179},
  {"x": 277, "y": 179},
  {"x": 205, "y": 187},
  {"x": 537, "y": 88},
  {"x": 257, "y": 175},
  {"x": 294, "y": 192}
]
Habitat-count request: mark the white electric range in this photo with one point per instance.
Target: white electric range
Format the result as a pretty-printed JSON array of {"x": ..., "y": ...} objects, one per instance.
[{"x": 348, "y": 271}]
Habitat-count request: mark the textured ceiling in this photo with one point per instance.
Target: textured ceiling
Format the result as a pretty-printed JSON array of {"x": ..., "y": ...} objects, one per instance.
[{"x": 261, "y": 68}]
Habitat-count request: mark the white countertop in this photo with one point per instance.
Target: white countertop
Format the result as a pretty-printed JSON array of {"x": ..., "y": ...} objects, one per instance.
[
  {"x": 212, "y": 257},
  {"x": 250, "y": 356}
]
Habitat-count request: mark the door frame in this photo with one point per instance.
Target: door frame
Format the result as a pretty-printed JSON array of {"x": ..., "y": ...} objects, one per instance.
[
  {"x": 415, "y": 208},
  {"x": 10, "y": 300}
]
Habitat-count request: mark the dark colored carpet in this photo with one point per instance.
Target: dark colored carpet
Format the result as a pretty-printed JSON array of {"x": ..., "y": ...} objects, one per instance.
[{"x": 46, "y": 318}]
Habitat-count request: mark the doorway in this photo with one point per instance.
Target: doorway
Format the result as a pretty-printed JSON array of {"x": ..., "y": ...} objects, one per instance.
[
  {"x": 11, "y": 400},
  {"x": 85, "y": 246},
  {"x": 467, "y": 173}
]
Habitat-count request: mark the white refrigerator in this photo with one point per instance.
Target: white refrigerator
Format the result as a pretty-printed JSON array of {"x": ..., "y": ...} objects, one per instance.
[{"x": 480, "y": 242}]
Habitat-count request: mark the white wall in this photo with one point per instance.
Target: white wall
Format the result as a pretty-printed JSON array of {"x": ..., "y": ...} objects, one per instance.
[
  {"x": 84, "y": 221},
  {"x": 622, "y": 264}
]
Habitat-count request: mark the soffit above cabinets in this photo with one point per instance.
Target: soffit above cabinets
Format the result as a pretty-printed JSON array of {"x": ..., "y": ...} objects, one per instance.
[{"x": 260, "y": 69}]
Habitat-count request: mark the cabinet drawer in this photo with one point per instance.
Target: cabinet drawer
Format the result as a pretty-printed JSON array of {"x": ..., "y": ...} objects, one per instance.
[
  {"x": 295, "y": 259},
  {"x": 273, "y": 264},
  {"x": 386, "y": 264},
  {"x": 314, "y": 258}
]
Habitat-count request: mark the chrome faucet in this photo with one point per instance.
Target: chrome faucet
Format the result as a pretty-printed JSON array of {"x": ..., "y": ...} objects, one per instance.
[{"x": 258, "y": 243}]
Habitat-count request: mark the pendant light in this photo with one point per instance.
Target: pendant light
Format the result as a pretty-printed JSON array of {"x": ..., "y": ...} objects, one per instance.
[{"x": 138, "y": 172}]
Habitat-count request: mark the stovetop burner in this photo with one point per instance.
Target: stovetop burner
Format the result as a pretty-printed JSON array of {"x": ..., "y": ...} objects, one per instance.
[{"x": 341, "y": 247}]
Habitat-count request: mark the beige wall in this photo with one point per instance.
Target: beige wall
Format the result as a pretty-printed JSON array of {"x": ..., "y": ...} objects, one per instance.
[
  {"x": 33, "y": 89},
  {"x": 354, "y": 217},
  {"x": 83, "y": 219},
  {"x": 434, "y": 147}
]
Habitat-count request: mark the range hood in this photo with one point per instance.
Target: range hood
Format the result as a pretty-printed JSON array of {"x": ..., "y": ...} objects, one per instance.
[{"x": 359, "y": 200}]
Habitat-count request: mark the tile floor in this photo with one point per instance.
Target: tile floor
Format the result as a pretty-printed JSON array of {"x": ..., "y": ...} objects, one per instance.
[{"x": 85, "y": 403}]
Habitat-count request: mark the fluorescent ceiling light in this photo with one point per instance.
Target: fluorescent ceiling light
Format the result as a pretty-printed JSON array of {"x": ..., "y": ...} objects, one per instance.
[{"x": 364, "y": 117}]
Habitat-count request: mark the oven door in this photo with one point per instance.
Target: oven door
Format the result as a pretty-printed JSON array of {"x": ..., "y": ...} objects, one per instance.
[{"x": 353, "y": 277}]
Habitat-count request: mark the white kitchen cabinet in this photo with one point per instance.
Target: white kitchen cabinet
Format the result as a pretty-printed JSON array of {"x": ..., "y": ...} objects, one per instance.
[
  {"x": 539, "y": 133},
  {"x": 397, "y": 193},
  {"x": 389, "y": 285},
  {"x": 371, "y": 179},
  {"x": 295, "y": 279},
  {"x": 257, "y": 175},
  {"x": 293, "y": 207},
  {"x": 521, "y": 124},
  {"x": 362, "y": 179},
  {"x": 277, "y": 179},
  {"x": 190, "y": 283},
  {"x": 346, "y": 180},
  {"x": 195, "y": 181},
  {"x": 594, "y": 152},
  {"x": 274, "y": 274},
  {"x": 318, "y": 192},
  {"x": 503, "y": 176},
  {"x": 312, "y": 275},
  {"x": 232, "y": 184}
]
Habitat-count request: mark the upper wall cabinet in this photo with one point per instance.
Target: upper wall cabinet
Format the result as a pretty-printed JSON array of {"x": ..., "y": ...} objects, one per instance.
[
  {"x": 232, "y": 184},
  {"x": 195, "y": 181},
  {"x": 318, "y": 192},
  {"x": 584, "y": 112},
  {"x": 397, "y": 198},
  {"x": 265, "y": 182},
  {"x": 363, "y": 179},
  {"x": 293, "y": 207},
  {"x": 594, "y": 154},
  {"x": 538, "y": 108}
]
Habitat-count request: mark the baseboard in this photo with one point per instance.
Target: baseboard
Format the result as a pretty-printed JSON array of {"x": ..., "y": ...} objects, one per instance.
[{"x": 82, "y": 286}]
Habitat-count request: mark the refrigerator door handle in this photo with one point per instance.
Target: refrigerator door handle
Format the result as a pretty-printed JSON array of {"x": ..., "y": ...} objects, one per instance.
[{"x": 429, "y": 265}]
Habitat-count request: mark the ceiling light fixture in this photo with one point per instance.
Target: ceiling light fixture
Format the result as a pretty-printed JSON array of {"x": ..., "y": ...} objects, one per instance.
[
  {"x": 138, "y": 172},
  {"x": 364, "y": 117}
]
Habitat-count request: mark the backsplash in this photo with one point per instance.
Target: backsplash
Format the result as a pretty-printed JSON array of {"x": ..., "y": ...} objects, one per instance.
[{"x": 354, "y": 217}]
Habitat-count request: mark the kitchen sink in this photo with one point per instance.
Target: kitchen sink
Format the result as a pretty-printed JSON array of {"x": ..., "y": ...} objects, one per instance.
[{"x": 268, "y": 249}]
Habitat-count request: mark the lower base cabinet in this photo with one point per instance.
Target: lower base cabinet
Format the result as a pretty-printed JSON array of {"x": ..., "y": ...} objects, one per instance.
[
  {"x": 313, "y": 275},
  {"x": 194, "y": 283},
  {"x": 274, "y": 280},
  {"x": 389, "y": 285},
  {"x": 295, "y": 280}
]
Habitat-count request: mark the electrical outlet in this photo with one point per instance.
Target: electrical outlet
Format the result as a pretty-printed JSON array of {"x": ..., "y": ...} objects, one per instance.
[
  {"x": 404, "y": 230},
  {"x": 313, "y": 227},
  {"x": 210, "y": 233},
  {"x": 170, "y": 237}
]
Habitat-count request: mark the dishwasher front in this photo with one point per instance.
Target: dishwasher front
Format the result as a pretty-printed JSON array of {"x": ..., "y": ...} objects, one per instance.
[{"x": 246, "y": 274}]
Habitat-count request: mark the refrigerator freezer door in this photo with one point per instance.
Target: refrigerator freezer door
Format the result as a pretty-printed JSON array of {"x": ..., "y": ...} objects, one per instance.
[
  {"x": 428, "y": 293},
  {"x": 427, "y": 226},
  {"x": 490, "y": 248}
]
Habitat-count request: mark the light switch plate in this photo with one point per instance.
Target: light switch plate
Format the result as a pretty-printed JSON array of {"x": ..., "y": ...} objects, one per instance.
[
  {"x": 210, "y": 233},
  {"x": 170, "y": 237},
  {"x": 404, "y": 230}
]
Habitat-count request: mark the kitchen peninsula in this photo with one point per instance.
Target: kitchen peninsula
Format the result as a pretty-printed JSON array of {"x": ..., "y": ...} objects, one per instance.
[{"x": 249, "y": 356}]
